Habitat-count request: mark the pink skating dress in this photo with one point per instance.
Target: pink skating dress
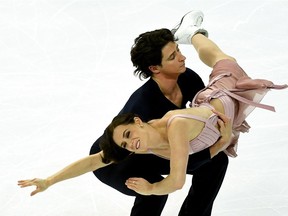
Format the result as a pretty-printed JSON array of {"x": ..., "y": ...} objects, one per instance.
[
  {"x": 207, "y": 137},
  {"x": 238, "y": 93}
]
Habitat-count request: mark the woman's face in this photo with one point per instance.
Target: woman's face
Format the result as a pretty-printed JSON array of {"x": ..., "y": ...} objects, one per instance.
[{"x": 132, "y": 137}]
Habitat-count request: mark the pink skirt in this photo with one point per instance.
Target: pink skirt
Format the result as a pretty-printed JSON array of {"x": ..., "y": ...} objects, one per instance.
[{"x": 238, "y": 93}]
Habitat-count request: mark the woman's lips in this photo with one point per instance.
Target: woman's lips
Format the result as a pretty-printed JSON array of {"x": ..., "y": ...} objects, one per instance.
[
  {"x": 135, "y": 144},
  {"x": 138, "y": 144}
]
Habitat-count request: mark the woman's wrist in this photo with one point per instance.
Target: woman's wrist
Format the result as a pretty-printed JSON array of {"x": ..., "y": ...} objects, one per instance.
[{"x": 49, "y": 181}]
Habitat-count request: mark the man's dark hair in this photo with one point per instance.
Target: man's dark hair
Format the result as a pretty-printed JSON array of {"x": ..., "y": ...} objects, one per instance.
[{"x": 147, "y": 50}]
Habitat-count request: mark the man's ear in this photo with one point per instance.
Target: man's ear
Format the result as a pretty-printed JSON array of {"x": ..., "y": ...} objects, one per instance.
[
  {"x": 138, "y": 121},
  {"x": 154, "y": 69}
]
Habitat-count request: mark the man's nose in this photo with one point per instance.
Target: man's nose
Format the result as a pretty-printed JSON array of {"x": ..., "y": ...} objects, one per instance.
[{"x": 182, "y": 57}]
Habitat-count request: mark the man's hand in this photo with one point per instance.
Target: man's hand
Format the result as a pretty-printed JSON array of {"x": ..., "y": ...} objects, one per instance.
[{"x": 226, "y": 133}]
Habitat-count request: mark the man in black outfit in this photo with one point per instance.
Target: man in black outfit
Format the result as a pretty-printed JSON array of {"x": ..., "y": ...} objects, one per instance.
[{"x": 170, "y": 86}]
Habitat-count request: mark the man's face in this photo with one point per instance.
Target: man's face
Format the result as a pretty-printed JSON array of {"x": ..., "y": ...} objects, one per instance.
[{"x": 173, "y": 62}]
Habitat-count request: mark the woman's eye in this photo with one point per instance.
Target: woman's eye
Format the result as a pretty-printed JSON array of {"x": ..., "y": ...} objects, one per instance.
[
  {"x": 128, "y": 134},
  {"x": 123, "y": 145}
]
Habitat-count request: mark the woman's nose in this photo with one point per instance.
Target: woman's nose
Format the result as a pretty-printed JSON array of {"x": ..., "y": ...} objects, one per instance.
[{"x": 129, "y": 144}]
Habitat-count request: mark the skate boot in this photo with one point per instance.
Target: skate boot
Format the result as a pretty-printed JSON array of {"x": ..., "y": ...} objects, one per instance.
[{"x": 189, "y": 25}]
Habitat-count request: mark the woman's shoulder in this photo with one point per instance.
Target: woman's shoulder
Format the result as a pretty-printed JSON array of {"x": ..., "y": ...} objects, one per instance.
[
  {"x": 173, "y": 114},
  {"x": 189, "y": 112}
]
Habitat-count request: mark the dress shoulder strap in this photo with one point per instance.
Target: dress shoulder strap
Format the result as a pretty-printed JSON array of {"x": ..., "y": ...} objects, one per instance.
[{"x": 190, "y": 116}]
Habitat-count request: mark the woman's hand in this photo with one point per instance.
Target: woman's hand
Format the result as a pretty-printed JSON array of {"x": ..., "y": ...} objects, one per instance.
[
  {"x": 139, "y": 185},
  {"x": 41, "y": 184}
]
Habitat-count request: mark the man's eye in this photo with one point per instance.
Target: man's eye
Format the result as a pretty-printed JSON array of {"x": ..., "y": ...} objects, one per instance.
[
  {"x": 172, "y": 57},
  {"x": 128, "y": 134}
]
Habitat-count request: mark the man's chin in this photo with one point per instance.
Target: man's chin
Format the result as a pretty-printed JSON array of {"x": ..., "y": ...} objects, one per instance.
[{"x": 183, "y": 69}]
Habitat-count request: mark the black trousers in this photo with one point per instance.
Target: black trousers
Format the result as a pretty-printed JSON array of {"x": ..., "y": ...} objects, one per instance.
[
  {"x": 208, "y": 175},
  {"x": 206, "y": 183}
]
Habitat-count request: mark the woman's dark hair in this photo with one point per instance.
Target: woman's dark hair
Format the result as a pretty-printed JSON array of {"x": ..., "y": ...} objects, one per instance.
[
  {"x": 147, "y": 50},
  {"x": 112, "y": 152}
]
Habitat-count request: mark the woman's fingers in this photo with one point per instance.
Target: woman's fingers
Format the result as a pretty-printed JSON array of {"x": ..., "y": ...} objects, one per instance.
[
  {"x": 40, "y": 184},
  {"x": 132, "y": 181},
  {"x": 139, "y": 185},
  {"x": 34, "y": 192},
  {"x": 26, "y": 183}
]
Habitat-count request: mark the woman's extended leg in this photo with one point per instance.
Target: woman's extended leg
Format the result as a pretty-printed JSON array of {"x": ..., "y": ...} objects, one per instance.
[{"x": 208, "y": 51}]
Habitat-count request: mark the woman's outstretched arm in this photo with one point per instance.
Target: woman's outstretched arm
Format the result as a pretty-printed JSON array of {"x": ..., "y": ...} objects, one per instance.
[{"x": 80, "y": 167}]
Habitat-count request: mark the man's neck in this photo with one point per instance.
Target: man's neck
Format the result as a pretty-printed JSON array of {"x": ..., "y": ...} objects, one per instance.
[{"x": 170, "y": 89}]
